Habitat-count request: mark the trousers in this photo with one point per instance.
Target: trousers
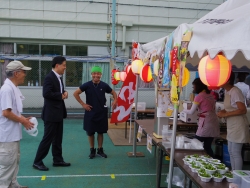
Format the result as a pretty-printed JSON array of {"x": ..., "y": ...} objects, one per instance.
[
  {"x": 9, "y": 163},
  {"x": 234, "y": 150}
]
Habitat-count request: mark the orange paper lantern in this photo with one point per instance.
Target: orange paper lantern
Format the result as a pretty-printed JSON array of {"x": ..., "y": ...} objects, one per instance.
[
  {"x": 146, "y": 74},
  {"x": 137, "y": 66},
  {"x": 214, "y": 72},
  {"x": 123, "y": 76}
]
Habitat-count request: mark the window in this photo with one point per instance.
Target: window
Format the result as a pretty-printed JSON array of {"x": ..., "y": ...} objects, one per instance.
[
  {"x": 32, "y": 76},
  {"x": 51, "y": 50},
  {"x": 76, "y": 50},
  {"x": 28, "y": 49},
  {"x": 46, "y": 67},
  {"x": 74, "y": 74}
]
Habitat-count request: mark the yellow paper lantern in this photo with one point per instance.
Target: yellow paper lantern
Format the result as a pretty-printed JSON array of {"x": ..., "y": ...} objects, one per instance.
[
  {"x": 186, "y": 77},
  {"x": 214, "y": 72},
  {"x": 146, "y": 74},
  {"x": 156, "y": 67},
  {"x": 117, "y": 75},
  {"x": 137, "y": 66},
  {"x": 123, "y": 76}
]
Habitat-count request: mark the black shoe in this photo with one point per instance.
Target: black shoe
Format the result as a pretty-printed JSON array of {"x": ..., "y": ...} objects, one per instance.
[
  {"x": 62, "y": 163},
  {"x": 101, "y": 153},
  {"x": 40, "y": 167},
  {"x": 92, "y": 153}
]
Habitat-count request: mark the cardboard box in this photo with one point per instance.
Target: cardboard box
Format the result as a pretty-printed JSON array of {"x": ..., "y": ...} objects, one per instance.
[{"x": 189, "y": 118}]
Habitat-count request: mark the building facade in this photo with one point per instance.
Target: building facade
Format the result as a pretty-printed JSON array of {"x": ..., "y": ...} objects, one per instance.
[{"x": 37, "y": 30}]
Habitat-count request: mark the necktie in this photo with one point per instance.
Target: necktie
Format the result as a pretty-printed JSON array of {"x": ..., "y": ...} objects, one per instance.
[{"x": 62, "y": 84}]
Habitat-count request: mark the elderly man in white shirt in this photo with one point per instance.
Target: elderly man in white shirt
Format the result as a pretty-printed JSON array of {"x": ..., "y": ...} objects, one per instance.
[{"x": 10, "y": 124}]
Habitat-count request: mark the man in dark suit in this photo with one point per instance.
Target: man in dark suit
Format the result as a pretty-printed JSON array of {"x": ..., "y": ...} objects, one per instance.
[{"x": 53, "y": 113}]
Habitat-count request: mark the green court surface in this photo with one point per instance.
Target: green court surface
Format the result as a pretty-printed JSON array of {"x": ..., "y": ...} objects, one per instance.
[{"x": 116, "y": 171}]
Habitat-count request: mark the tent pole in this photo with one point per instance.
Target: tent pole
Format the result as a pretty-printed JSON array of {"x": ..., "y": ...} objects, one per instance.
[
  {"x": 136, "y": 101},
  {"x": 176, "y": 107},
  {"x": 134, "y": 153}
]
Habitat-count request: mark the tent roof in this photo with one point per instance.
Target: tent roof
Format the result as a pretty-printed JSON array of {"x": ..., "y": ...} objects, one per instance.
[{"x": 225, "y": 29}]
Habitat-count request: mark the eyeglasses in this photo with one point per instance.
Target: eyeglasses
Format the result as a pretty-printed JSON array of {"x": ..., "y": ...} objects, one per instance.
[{"x": 24, "y": 71}]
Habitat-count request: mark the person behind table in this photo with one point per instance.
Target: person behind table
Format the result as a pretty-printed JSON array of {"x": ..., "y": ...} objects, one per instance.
[
  {"x": 237, "y": 123},
  {"x": 11, "y": 122},
  {"x": 242, "y": 85},
  {"x": 96, "y": 111},
  {"x": 247, "y": 81},
  {"x": 208, "y": 124}
]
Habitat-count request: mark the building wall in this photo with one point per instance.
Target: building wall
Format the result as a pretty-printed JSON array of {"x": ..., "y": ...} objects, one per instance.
[{"x": 89, "y": 23}]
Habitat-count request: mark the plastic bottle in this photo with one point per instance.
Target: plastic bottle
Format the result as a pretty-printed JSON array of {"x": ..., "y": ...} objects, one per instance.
[
  {"x": 31, "y": 84},
  {"x": 28, "y": 83},
  {"x": 37, "y": 83}
]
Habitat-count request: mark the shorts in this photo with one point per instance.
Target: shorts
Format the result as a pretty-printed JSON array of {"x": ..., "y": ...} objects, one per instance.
[{"x": 92, "y": 133}]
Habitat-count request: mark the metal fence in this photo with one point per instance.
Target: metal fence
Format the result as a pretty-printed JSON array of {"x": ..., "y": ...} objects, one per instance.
[{"x": 77, "y": 72}]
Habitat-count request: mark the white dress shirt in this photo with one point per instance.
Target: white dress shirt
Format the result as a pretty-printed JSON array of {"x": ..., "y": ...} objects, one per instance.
[{"x": 59, "y": 78}]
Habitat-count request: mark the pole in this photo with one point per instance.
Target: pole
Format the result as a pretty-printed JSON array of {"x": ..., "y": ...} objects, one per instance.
[
  {"x": 113, "y": 34},
  {"x": 176, "y": 107},
  {"x": 112, "y": 59},
  {"x": 134, "y": 153},
  {"x": 136, "y": 101}
]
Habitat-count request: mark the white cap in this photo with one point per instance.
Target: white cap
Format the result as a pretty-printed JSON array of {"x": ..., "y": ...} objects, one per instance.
[{"x": 16, "y": 65}]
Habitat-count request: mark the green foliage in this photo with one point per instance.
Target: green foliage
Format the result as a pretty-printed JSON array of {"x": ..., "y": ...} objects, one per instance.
[
  {"x": 229, "y": 175},
  {"x": 217, "y": 175},
  {"x": 209, "y": 167}
]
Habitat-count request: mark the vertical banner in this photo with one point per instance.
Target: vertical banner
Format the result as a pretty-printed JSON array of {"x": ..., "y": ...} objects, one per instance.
[
  {"x": 183, "y": 55},
  {"x": 166, "y": 64},
  {"x": 125, "y": 99}
]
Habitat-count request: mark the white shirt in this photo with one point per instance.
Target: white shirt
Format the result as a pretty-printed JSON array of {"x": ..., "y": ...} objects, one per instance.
[
  {"x": 59, "y": 78},
  {"x": 236, "y": 96},
  {"x": 10, "y": 131}
]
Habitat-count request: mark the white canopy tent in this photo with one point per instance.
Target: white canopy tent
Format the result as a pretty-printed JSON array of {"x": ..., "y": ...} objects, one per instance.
[{"x": 225, "y": 29}]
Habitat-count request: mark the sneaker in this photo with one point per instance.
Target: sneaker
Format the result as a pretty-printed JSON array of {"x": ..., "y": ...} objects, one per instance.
[
  {"x": 92, "y": 153},
  {"x": 101, "y": 153},
  {"x": 16, "y": 185}
]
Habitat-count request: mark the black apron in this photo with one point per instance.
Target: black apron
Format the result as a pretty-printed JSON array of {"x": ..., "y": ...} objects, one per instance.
[{"x": 96, "y": 120}]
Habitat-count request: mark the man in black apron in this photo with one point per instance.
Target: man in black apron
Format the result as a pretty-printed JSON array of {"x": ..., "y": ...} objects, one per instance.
[{"x": 96, "y": 111}]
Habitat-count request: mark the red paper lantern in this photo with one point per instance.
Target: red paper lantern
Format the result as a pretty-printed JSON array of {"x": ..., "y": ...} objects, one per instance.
[
  {"x": 214, "y": 72},
  {"x": 123, "y": 76},
  {"x": 113, "y": 80},
  {"x": 146, "y": 74}
]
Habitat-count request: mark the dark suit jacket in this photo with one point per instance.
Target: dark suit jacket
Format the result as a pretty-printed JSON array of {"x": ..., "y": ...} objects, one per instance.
[{"x": 54, "y": 109}]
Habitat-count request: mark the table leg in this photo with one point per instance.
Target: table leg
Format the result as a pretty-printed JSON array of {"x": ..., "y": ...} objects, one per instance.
[
  {"x": 125, "y": 129},
  {"x": 190, "y": 183},
  {"x": 185, "y": 180},
  {"x": 159, "y": 167}
]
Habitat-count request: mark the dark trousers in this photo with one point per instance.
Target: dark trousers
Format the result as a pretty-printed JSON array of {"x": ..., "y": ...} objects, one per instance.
[
  {"x": 207, "y": 143},
  {"x": 53, "y": 132}
]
